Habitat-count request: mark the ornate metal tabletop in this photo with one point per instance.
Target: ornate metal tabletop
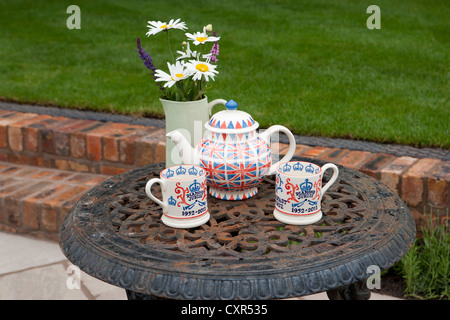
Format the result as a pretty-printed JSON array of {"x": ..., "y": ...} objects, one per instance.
[{"x": 115, "y": 234}]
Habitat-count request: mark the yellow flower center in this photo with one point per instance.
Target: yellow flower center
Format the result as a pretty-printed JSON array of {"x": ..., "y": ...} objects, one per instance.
[
  {"x": 164, "y": 26},
  {"x": 201, "y": 39},
  {"x": 178, "y": 75},
  {"x": 202, "y": 67}
]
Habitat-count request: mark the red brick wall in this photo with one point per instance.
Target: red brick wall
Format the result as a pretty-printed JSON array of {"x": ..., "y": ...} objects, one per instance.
[
  {"x": 35, "y": 200},
  {"x": 78, "y": 145}
]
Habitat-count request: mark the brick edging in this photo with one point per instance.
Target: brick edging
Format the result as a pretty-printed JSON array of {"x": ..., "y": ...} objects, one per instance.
[
  {"x": 78, "y": 145},
  {"x": 35, "y": 200}
]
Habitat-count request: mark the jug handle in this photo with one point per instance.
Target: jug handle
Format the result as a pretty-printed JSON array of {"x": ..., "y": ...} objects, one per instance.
[
  {"x": 292, "y": 144},
  {"x": 332, "y": 179},
  {"x": 213, "y": 103},
  {"x": 148, "y": 191}
]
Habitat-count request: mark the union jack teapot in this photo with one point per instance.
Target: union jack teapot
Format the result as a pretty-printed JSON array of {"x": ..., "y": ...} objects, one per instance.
[{"x": 234, "y": 155}]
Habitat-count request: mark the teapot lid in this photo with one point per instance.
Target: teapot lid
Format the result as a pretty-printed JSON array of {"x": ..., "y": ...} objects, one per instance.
[{"x": 231, "y": 120}]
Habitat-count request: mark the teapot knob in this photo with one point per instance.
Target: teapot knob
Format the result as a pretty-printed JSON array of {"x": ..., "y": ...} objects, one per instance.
[{"x": 231, "y": 105}]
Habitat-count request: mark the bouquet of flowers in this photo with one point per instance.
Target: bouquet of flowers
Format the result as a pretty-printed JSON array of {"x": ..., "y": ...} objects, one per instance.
[{"x": 188, "y": 75}]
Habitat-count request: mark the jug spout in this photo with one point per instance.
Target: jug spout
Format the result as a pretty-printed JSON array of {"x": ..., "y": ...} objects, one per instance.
[{"x": 187, "y": 153}]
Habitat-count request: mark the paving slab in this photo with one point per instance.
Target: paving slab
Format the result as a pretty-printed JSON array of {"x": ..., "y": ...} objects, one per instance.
[
  {"x": 42, "y": 283},
  {"x": 18, "y": 253},
  {"x": 36, "y": 269}
]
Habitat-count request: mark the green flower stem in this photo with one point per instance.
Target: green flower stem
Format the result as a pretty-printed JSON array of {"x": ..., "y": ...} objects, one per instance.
[
  {"x": 168, "y": 43},
  {"x": 203, "y": 48},
  {"x": 192, "y": 95},
  {"x": 181, "y": 90},
  {"x": 199, "y": 94}
]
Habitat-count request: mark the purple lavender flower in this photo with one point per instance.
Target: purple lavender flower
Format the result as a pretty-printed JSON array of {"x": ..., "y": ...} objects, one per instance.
[
  {"x": 145, "y": 57},
  {"x": 214, "y": 50}
]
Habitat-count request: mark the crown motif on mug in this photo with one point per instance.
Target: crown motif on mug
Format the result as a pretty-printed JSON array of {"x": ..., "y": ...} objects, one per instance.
[
  {"x": 180, "y": 170},
  {"x": 192, "y": 171},
  {"x": 194, "y": 187},
  {"x": 169, "y": 173},
  {"x": 286, "y": 167},
  {"x": 309, "y": 168},
  {"x": 306, "y": 186},
  {"x": 298, "y": 166},
  {"x": 172, "y": 201}
]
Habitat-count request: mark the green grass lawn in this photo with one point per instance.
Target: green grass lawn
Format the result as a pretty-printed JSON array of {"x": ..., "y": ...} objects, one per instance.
[{"x": 312, "y": 66}]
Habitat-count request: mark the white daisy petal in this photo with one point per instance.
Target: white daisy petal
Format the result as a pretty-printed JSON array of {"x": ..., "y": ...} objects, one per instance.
[
  {"x": 161, "y": 75},
  {"x": 176, "y": 24},
  {"x": 154, "y": 24}
]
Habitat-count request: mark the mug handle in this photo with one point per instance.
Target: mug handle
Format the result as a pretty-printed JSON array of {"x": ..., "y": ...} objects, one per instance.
[
  {"x": 214, "y": 102},
  {"x": 292, "y": 144},
  {"x": 148, "y": 191},
  {"x": 333, "y": 177}
]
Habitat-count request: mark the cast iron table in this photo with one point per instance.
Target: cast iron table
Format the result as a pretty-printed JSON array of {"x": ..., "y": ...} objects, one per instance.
[{"x": 115, "y": 234}]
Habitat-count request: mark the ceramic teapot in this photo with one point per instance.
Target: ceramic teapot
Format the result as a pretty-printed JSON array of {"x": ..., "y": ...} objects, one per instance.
[{"x": 234, "y": 155}]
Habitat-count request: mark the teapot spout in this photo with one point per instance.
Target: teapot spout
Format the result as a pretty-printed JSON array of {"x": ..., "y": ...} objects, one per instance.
[{"x": 187, "y": 153}]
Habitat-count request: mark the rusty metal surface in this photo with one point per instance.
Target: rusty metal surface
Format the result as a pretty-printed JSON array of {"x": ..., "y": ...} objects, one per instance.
[{"x": 115, "y": 234}]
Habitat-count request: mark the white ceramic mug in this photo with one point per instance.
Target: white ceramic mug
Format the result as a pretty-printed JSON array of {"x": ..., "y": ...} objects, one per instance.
[
  {"x": 299, "y": 191},
  {"x": 184, "y": 195}
]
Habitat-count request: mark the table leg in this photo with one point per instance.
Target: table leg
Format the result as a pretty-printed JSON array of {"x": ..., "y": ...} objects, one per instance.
[{"x": 354, "y": 291}]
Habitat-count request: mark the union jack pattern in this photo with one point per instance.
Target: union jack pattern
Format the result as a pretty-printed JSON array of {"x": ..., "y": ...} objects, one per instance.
[{"x": 236, "y": 167}]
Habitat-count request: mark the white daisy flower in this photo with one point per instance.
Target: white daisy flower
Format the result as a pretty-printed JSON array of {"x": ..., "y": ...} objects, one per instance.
[
  {"x": 189, "y": 54},
  {"x": 158, "y": 26},
  {"x": 201, "y": 37},
  {"x": 201, "y": 69},
  {"x": 177, "y": 71}
]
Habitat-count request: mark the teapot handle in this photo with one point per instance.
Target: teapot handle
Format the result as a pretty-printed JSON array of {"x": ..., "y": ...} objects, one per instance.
[
  {"x": 292, "y": 145},
  {"x": 214, "y": 102}
]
